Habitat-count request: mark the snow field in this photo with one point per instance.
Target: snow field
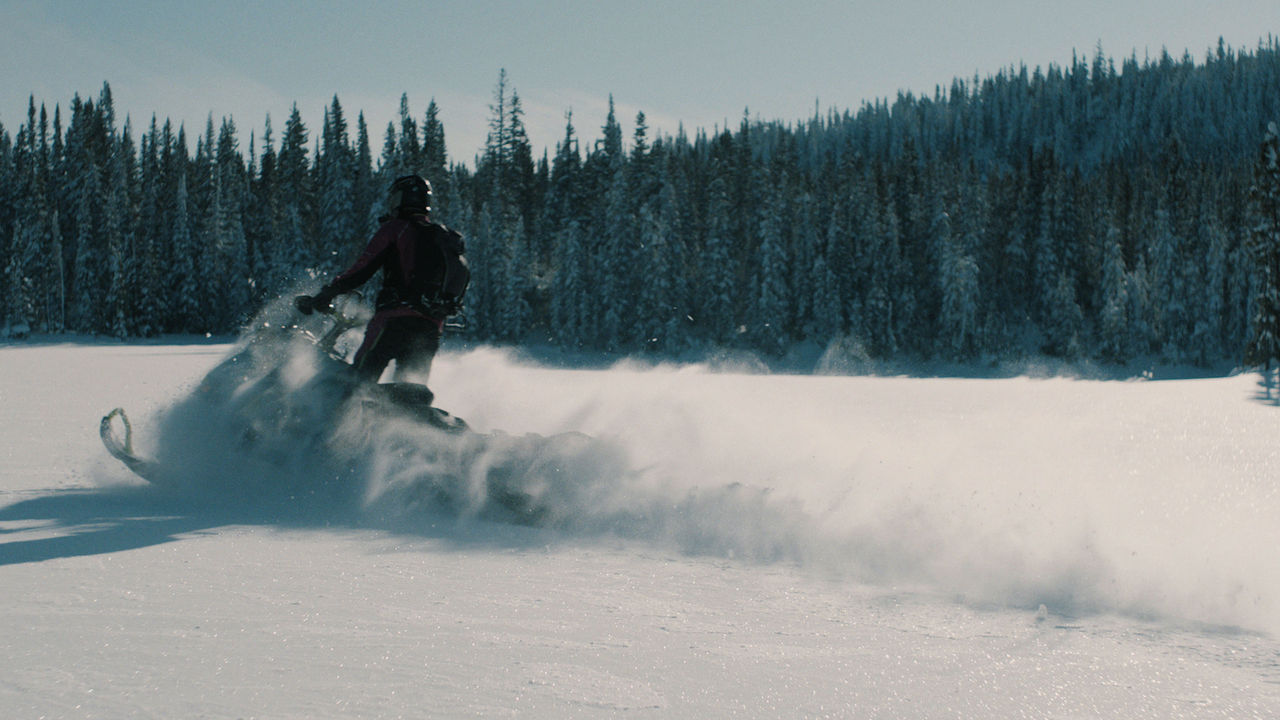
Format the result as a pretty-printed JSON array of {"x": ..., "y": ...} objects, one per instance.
[{"x": 776, "y": 546}]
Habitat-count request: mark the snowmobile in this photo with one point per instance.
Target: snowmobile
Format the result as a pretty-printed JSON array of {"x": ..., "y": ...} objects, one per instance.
[{"x": 285, "y": 411}]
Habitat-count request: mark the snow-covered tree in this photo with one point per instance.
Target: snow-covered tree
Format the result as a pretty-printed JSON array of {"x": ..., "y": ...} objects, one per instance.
[
  {"x": 18, "y": 281},
  {"x": 1171, "y": 293},
  {"x": 435, "y": 158},
  {"x": 119, "y": 287},
  {"x": 960, "y": 296},
  {"x": 1034, "y": 169},
  {"x": 89, "y": 264},
  {"x": 339, "y": 220},
  {"x": 616, "y": 265},
  {"x": 1209, "y": 313},
  {"x": 1064, "y": 330},
  {"x": 185, "y": 301},
  {"x": 1114, "y": 323},
  {"x": 1264, "y": 245},
  {"x": 772, "y": 315},
  {"x": 569, "y": 299},
  {"x": 715, "y": 310}
]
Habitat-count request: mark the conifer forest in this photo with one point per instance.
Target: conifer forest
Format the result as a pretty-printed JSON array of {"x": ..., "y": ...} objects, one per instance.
[{"x": 1109, "y": 210}]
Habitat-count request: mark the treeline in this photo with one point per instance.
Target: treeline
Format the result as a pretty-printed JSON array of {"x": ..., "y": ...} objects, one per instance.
[{"x": 1088, "y": 211}]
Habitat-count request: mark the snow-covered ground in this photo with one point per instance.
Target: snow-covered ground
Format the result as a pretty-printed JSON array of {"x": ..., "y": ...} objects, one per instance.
[{"x": 771, "y": 546}]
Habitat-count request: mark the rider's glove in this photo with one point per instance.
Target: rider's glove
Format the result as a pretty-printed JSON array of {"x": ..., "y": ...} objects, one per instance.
[{"x": 319, "y": 302}]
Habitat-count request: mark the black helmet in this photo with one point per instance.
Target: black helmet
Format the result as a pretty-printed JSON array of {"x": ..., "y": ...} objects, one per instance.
[{"x": 411, "y": 192}]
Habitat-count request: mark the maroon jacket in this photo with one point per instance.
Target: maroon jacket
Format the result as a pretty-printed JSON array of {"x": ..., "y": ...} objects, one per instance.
[{"x": 408, "y": 252}]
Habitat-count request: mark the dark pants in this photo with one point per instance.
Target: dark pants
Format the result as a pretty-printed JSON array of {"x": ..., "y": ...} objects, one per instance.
[{"x": 411, "y": 341}]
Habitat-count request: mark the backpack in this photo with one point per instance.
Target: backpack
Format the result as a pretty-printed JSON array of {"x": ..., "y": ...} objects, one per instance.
[
  {"x": 446, "y": 298},
  {"x": 457, "y": 273}
]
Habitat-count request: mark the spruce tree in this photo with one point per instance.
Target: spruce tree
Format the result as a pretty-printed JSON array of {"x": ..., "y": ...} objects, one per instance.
[
  {"x": 89, "y": 265},
  {"x": 826, "y": 318},
  {"x": 569, "y": 299},
  {"x": 715, "y": 313},
  {"x": 1064, "y": 329},
  {"x": 435, "y": 157},
  {"x": 118, "y": 298},
  {"x": 339, "y": 221},
  {"x": 616, "y": 266},
  {"x": 563, "y": 218},
  {"x": 185, "y": 303},
  {"x": 409, "y": 149},
  {"x": 1264, "y": 245},
  {"x": 1114, "y": 324},
  {"x": 297, "y": 249},
  {"x": 367, "y": 197},
  {"x": 772, "y": 315},
  {"x": 56, "y": 277},
  {"x": 1209, "y": 314},
  {"x": 960, "y": 295},
  {"x": 20, "y": 305},
  {"x": 8, "y": 193},
  {"x": 659, "y": 307},
  {"x": 1169, "y": 258}
]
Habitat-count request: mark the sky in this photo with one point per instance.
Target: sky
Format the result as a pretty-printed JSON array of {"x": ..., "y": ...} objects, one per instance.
[{"x": 700, "y": 65}]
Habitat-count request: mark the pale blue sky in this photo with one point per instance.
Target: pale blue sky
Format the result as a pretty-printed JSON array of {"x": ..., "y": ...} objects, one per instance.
[{"x": 697, "y": 62}]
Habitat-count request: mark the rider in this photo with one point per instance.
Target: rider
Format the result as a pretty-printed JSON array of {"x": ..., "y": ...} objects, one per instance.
[{"x": 416, "y": 257}]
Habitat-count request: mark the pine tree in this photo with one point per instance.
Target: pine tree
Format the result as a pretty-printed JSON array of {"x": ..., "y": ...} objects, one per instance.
[
  {"x": 715, "y": 309},
  {"x": 772, "y": 316},
  {"x": 56, "y": 277},
  {"x": 8, "y": 193},
  {"x": 435, "y": 158},
  {"x": 513, "y": 290},
  {"x": 1046, "y": 262},
  {"x": 1114, "y": 323},
  {"x": 483, "y": 253},
  {"x": 824, "y": 286},
  {"x": 1170, "y": 289},
  {"x": 1264, "y": 246},
  {"x": 616, "y": 265},
  {"x": 339, "y": 219},
  {"x": 569, "y": 299},
  {"x": 1208, "y": 338},
  {"x": 297, "y": 249},
  {"x": 660, "y": 307},
  {"x": 568, "y": 254},
  {"x": 118, "y": 295},
  {"x": 89, "y": 265},
  {"x": 186, "y": 302},
  {"x": 1065, "y": 326},
  {"x": 367, "y": 197},
  {"x": 26, "y": 272},
  {"x": 231, "y": 244},
  {"x": 148, "y": 310},
  {"x": 261, "y": 215},
  {"x": 518, "y": 168},
  {"x": 409, "y": 149},
  {"x": 897, "y": 286},
  {"x": 21, "y": 288},
  {"x": 959, "y": 286}
]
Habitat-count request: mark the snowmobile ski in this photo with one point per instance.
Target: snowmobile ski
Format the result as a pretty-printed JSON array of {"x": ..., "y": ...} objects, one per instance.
[{"x": 122, "y": 448}]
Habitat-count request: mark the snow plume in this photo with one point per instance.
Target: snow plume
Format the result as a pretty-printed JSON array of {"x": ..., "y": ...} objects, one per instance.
[
  {"x": 1142, "y": 497},
  {"x": 1146, "y": 498}
]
